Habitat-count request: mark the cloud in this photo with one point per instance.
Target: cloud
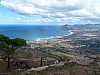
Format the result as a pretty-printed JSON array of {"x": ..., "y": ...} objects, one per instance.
[{"x": 61, "y": 10}]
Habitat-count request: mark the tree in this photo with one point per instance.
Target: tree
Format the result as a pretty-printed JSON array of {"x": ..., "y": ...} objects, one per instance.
[
  {"x": 4, "y": 39},
  {"x": 9, "y": 46},
  {"x": 18, "y": 42}
]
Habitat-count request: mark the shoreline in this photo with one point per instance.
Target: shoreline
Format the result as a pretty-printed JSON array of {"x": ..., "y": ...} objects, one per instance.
[{"x": 50, "y": 38}]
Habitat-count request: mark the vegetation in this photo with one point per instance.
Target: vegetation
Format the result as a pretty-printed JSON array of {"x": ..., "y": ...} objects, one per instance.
[
  {"x": 8, "y": 47},
  {"x": 67, "y": 69}
]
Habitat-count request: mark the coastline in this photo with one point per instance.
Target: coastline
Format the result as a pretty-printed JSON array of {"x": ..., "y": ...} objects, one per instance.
[{"x": 39, "y": 40}]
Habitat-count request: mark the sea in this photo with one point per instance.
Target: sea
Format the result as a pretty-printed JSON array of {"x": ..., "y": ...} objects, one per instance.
[{"x": 33, "y": 32}]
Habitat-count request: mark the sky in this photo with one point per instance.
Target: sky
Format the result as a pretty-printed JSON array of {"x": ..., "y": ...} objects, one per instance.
[{"x": 49, "y": 12}]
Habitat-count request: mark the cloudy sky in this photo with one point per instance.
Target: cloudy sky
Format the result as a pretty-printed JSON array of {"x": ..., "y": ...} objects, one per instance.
[{"x": 49, "y": 12}]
